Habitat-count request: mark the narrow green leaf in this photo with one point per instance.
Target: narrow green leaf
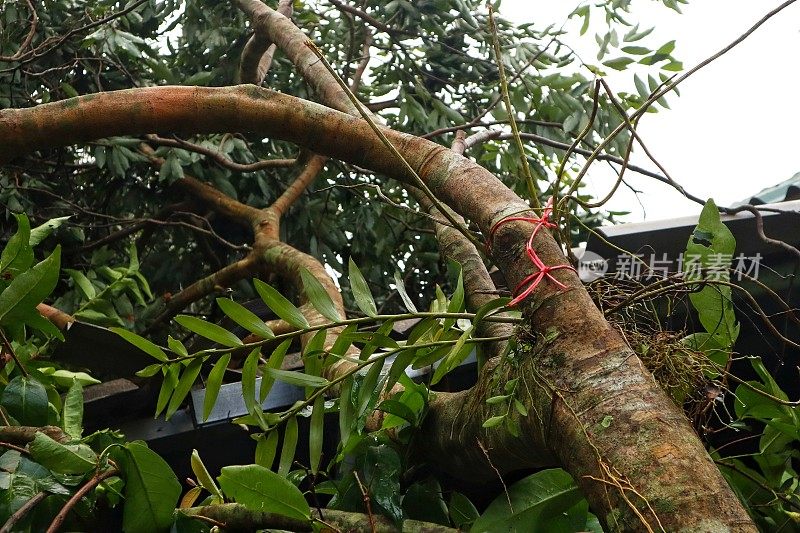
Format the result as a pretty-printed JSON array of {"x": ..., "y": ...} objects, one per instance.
[
  {"x": 399, "y": 366},
  {"x": 316, "y": 434},
  {"x": 488, "y": 307},
  {"x": 280, "y": 305},
  {"x": 213, "y": 384},
  {"x": 249, "y": 371},
  {"x": 167, "y": 386},
  {"x": 345, "y": 410},
  {"x": 296, "y": 378},
  {"x": 361, "y": 292},
  {"x": 266, "y": 449},
  {"x": 208, "y": 330},
  {"x": 368, "y": 387},
  {"x": 83, "y": 283},
  {"x": 143, "y": 344},
  {"x": 318, "y": 296},
  {"x": 245, "y": 318},
  {"x": 262, "y": 490},
  {"x": 401, "y": 290},
  {"x": 275, "y": 362},
  {"x": 289, "y": 446},
  {"x": 202, "y": 476},
  {"x": 149, "y": 371},
  {"x": 184, "y": 385},
  {"x": 455, "y": 357},
  {"x": 73, "y": 410}
]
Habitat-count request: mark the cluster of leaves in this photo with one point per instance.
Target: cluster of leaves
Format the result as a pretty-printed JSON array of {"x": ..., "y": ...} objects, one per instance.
[
  {"x": 57, "y": 459},
  {"x": 765, "y": 479}
]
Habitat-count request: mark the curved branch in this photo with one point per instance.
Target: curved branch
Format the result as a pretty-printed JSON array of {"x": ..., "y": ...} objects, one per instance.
[
  {"x": 20, "y": 53},
  {"x": 20, "y": 513},
  {"x": 57, "y": 522}
]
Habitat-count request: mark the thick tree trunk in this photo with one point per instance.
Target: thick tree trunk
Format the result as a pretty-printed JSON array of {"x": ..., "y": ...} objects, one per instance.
[{"x": 594, "y": 408}]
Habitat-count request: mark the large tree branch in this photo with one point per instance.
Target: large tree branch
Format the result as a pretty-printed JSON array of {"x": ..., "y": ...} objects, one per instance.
[
  {"x": 577, "y": 371},
  {"x": 237, "y": 517},
  {"x": 259, "y": 51}
]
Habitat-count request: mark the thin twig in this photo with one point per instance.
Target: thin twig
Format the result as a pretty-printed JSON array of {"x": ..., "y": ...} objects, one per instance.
[
  {"x": 365, "y": 115},
  {"x": 58, "y": 521}
]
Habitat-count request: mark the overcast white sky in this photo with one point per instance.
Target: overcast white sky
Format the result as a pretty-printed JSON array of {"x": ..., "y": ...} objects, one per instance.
[{"x": 735, "y": 129}]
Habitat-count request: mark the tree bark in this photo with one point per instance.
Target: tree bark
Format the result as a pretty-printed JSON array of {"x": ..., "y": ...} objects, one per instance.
[{"x": 594, "y": 408}]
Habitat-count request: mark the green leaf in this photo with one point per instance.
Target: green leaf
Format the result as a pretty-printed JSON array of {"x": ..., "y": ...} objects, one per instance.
[
  {"x": 245, "y": 318},
  {"x": 493, "y": 421},
  {"x": 462, "y": 511},
  {"x": 83, "y": 283},
  {"x": 618, "y": 63},
  {"x": 401, "y": 290},
  {"x": 266, "y": 449},
  {"x": 143, "y": 344},
  {"x": 545, "y": 501},
  {"x": 382, "y": 469},
  {"x": 361, "y": 292},
  {"x": 25, "y": 399},
  {"x": 275, "y": 362},
  {"x": 167, "y": 386},
  {"x": 29, "y": 288},
  {"x": 176, "y": 346},
  {"x": 423, "y": 501},
  {"x": 40, "y": 233},
  {"x": 280, "y": 305},
  {"x": 296, "y": 378},
  {"x": 711, "y": 247},
  {"x": 151, "y": 489},
  {"x": 455, "y": 357},
  {"x": 289, "y": 446},
  {"x": 488, "y": 307},
  {"x": 260, "y": 489},
  {"x": 202, "y": 476},
  {"x": 213, "y": 384},
  {"x": 73, "y": 410},
  {"x": 316, "y": 433},
  {"x": 318, "y": 296},
  {"x": 18, "y": 254},
  {"x": 369, "y": 387},
  {"x": 208, "y": 330},
  {"x": 149, "y": 371},
  {"x": 62, "y": 458},
  {"x": 397, "y": 408},
  {"x": 249, "y": 371},
  {"x": 184, "y": 385},
  {"x": 636, "y": 50},
  {"x": 345, "y": 410}
]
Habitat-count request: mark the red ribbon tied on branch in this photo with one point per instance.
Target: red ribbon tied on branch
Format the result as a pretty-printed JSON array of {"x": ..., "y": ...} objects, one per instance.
[{"x": 534, "y": 279}]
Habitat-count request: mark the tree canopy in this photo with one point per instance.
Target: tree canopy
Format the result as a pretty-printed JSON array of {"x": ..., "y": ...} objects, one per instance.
[{"x": 262, "y": 193}]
